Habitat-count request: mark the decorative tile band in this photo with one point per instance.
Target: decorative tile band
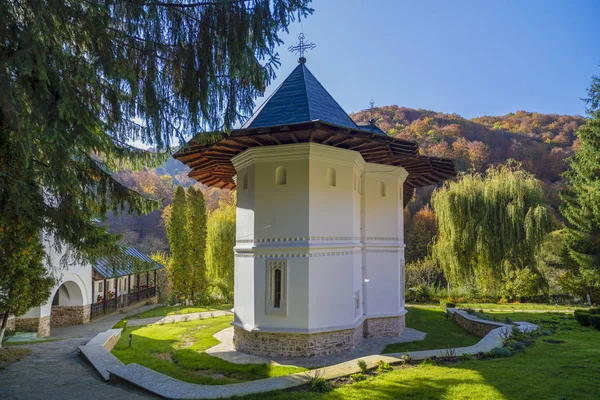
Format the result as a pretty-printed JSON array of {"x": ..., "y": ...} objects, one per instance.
[
  {"x": 319, "y": 239},
  {"x": 297, "y": 255}
]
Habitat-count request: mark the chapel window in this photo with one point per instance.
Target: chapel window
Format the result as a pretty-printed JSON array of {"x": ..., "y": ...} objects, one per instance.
[
  {"x": 277, "y": 287},
  {"x": 382, "y": 189},
  {"x": 245, "y": 181},
  {"x": 280, "y": 176},
  {"x": 331, "y": 177}
]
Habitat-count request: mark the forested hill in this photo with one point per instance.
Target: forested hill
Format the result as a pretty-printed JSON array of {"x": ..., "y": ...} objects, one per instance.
[{"x": 540, "y": 141}]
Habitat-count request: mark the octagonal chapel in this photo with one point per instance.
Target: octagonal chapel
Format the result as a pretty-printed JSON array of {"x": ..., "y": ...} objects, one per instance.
[{"x": 319, "y": 257}]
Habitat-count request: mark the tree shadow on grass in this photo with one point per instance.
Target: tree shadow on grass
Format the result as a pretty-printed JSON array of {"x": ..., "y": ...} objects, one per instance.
[{"x": 177, "y": 350}]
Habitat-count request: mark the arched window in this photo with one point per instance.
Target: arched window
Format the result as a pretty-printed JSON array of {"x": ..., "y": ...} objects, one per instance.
[
  {"x": 382, "y": 189},
  {"x": 277, "y": 288},
  {"x": 245, "y": 181},
  {"x": 331, "y": 176},
  {"x": 280, "y": 176}
]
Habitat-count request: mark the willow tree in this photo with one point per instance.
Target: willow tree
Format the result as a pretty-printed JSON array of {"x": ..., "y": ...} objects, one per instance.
[
  {"x": 490, "y": 226},
  {"x": 82, "y": 79},
  {"x": 196, "y": 233},
  {"x": 220, "y": 241},
  {"x": 581, "y": 199}
]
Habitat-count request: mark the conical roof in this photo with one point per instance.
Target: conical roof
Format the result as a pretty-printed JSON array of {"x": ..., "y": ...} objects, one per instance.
[{"x": 300, "y": 98}]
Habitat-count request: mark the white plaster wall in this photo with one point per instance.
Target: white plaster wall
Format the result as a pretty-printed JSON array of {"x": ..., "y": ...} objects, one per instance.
[
  {"x": 327, "y": 233},
  {"x": 77, "y": 276}
]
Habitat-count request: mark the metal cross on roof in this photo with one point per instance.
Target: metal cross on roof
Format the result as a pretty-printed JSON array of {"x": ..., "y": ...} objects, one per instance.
[{"x": 301, "y": 47}]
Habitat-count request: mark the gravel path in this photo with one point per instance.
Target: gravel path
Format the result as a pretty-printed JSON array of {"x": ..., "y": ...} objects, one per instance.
[{"x": 54, "y": 370}]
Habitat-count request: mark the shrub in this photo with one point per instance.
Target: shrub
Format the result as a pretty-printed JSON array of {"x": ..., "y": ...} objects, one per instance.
[
  {"x": 358, "y": 377},
  {"x": 383, "y": 366},
  {"x": 507, "y": 320},
  {"x": 406, "y": 358},
  {"x": 450, "y": 305},
  {"x": 546, "y": 332},
  {"x": 428, "y": 361},
  {"x": 595, "y": 321},
  {"x": 363, "y": 366},
  {"x": 582, "y": 317},
  {"x": 318, "y": 383},
  {"x": 516, "y": 345},
  {"x": 498, "y": 352},
  {"x": 467, "y": 357}
]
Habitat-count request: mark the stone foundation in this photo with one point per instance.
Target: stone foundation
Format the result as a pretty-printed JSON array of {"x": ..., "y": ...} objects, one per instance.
[
  {"x": 383, "y": 327},
  {"x": 69, "y": 315},
  {"x": 39, "y": 325},
  {"x": 314, "y": 344}
]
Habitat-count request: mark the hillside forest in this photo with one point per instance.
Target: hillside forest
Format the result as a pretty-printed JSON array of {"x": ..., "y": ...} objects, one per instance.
[{"x": 542, "y": 143}]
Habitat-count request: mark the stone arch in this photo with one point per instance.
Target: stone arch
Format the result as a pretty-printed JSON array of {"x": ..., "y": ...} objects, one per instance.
[{"x": 69, "y": 305}]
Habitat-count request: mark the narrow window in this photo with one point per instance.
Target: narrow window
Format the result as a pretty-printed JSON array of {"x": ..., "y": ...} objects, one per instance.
[
  {"x": 382, "y": 189},
  {"x": 101, "y": 287},
  {"x": 245, "y": 181},
  {"x": 331, "y": 176},
  {"x": 280, "y": 176},
  {"x": 277, "y": 288}
]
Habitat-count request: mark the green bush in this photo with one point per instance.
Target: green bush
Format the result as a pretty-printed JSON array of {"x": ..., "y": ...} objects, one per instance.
[
  {"x": 467, "y": 357},
  {"x": 363, "y": 366},
  {"x": 498, "y": 352},
  {"x": 583, "y": 317},
  {"x": 382, "y": 366},
  {"x": 595, "y": 321},
  {"x": 450, "y": 305},
  {"x": 358, "y": 377}
]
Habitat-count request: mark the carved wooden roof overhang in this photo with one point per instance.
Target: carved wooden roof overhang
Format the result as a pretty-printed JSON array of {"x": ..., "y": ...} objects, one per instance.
[{"x": 211, "y": 163}]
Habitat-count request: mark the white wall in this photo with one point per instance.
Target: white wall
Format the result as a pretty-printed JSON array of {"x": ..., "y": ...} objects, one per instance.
[{"x": 334, "y": 237}]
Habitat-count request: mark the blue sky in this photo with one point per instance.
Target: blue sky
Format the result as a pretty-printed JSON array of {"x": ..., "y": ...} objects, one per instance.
[{"x": 469, "y": 57}]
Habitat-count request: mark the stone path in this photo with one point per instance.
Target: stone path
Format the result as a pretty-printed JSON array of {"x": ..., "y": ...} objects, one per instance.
[
  {"x": 54, "y": 370},
  {"x": 225, "y": 351},
  {"x": 169, "y": 319},
  {"x": 171, "y": 388}
]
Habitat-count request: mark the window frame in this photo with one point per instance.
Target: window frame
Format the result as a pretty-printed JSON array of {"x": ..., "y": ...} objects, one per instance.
[{"x": 277, "y": 287}]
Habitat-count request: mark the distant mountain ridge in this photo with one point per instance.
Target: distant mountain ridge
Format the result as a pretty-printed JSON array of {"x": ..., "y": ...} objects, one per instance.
[{"x": 541, "y": 142}]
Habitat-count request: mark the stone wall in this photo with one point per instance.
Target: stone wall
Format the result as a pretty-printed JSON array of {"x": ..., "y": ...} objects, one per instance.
[
  {"x": 314, "y": 344},
  {"x": 39, "y": 325},
  {"x": 474, "y": 325},
  {"x": 383, "y": 327},
  {"x": 112, "y": 341},
  {"x": 69, "y": 315},
  {"x": 296, "y": 344}
]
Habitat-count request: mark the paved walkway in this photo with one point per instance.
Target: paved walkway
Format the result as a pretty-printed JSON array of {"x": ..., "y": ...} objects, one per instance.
[
  {"x": 54, "y": 370},
  {"x": 225, "y": 351}
]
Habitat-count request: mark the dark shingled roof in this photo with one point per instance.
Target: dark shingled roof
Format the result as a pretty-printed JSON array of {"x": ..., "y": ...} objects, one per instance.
[
  {"x": 125, "y": 263},
  {"x": 300, "y": 98}
]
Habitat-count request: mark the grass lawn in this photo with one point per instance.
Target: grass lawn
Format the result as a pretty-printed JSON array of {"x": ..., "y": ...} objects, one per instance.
[
  {"x": 177, "y": 350},
  {"x": 10, "y": 355},
  {"x": 176, "y": 310},
  {"x": 447, "y": 335},
  {"x": 544, "y": 371}
]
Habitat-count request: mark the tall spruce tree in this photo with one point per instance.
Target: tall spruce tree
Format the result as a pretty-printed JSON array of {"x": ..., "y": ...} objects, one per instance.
[
  {"x": 581, "y": 199},
  {"x": 82, "y": 79},
  {"x": 196, "y": 232},
  {"x": 490, "y": 227},
  {"x": 177, "y": 233}
]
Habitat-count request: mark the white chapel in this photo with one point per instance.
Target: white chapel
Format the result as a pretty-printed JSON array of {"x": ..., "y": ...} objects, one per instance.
[{"x": 319, "y": 258}]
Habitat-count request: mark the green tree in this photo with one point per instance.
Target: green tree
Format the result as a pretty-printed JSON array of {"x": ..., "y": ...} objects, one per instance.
[
  {"x": 82, "y": 79},
  {"x": 581, "y": 198},
  {"x": 196, "y": 232},
  {"x": 220, "y": 240},
  {"x": 24, "y": 281},
  {"x": 489, "y": 226},
  {"x": 179, "y": 267}
]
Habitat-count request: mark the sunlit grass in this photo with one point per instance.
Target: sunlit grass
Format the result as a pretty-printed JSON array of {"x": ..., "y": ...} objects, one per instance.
[
  {"x": 446, "y": 335},
  {"x": 178, "y": 349}
]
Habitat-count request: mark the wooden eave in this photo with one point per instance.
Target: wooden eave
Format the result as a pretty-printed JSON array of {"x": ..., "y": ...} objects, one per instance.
[{"x": 211, "y": 163}]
